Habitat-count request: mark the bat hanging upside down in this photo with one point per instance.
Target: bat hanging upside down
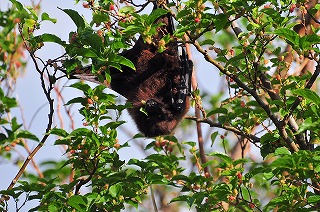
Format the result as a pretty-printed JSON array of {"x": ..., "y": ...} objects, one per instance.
[{"x": 161, "y": 84}]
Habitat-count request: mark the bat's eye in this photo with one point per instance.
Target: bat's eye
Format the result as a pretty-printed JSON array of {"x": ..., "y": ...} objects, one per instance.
[
  {"x": 153, "y": 109},
  {"x": 152, "y": 106}
]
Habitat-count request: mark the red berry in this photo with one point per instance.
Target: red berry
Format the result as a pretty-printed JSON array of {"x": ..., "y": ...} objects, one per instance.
[
  {"x": 239, "y": 175},
  {"x": 16, "y": 20},
  {"x": 222, "y": 136},
  {"x": 85, "y": 5},
  {"x": 251, "y": 205},
  {"x": 90, "y": 102},
  {"x": 18, "y": 63},
  {"x": 164, "y": 142},
  {"x": 72, "y": 151},
  {"x": 111, "y": 7},
  {"x": 232, "y": 198},
  {"x": 242, "y": 104},
  {"x": 117, "y": 146},
  {"x": 7, "y": 148},
  {"x": 292, "y": 7},
  {"x": 197, "y": 20}
]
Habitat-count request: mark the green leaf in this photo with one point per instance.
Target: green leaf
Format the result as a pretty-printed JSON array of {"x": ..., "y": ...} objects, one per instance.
[
  {"x": 207, "y": 42},
  {"x": 282, "y": 151},
  {"x": 115, "y": 190},
  {"x": 94, "y": 41},
  {"x": 314, "y": 199},
  {"x": 308, "y": 94},
  {"x": 308, "y": 124},
  {"x": 80, "y": 132},
  {"x": 76, "y": 18},
  {"x": 82, "y": 101},
  {"x": 46, "y": 17},
  {"x": 220, "y": 21},
  {"x": 62, "y": 142},
  {"x": 253, "y": 172},
  {"x": 18, "y": 5},
  {"x": 127, "y": 9},
  {"x": 283, "y": 162},
  {"x": 76, "y": 202},
  {"x": 222, "y": 156},
  {"x": 291, "y": 36},
  {"x": 218, "y": 110},
  {"x": 154, "y": 15},
  {"x": 49, "y": 38},
  {"x": 183, "y": 198},
  {"x": 84, "y": 52},
  {"x": 82, "y": 86},
  {"x": 2, "y": 137},
  {"x": 213, "y": 137},
  {"x": 58, "y": 132},
  {"x": 27, "y": 134},
  {"x": 121, "y": 60}
]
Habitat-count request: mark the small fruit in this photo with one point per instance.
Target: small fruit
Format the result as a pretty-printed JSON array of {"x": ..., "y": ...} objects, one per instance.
[
  {"x": 7, "y": 148},
  {"x": 292, "y": 7},
  {"x": 85, "y": 5},
  {"x": 281, "y": 58},
  {"x": 164, "y": 142},
  {"x": 111, "y": 7},
  {"x": 90, "y": 101},
  {"x": 197, "y": 20},
  {"x": 117, "y": 145},
  {"x": 251, "y": 205},
  {"x": 207, "y": 175},
  {"x": 16, "y": 20},
  {"x": 231, "y": 198},
  {"x": 157, "y": 143},
  {"x": 239, "y": 175}
]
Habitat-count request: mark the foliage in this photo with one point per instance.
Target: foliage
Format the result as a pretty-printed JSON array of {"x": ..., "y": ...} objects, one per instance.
[{"x": 268, "y": 51}]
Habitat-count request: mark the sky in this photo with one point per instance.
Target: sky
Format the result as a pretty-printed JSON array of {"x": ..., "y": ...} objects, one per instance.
[{"x": 31, "y": 98}]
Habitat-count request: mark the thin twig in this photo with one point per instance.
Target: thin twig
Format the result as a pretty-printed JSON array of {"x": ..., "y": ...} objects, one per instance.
[
  {"x": 264, "y": 106},
  {"x": 198, "y": 115},
  {"x": 47, "y": 92},
  {"x": 153, "y": 199}
]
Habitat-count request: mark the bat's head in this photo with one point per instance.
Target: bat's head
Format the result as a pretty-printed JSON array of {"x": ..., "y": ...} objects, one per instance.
[{"x": 156, "y": 118}]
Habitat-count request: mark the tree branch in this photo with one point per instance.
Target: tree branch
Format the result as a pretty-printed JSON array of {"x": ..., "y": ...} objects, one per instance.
[
  {"x": 252, "y": 138},
  {"x": 264, "y": 106},
  {"x": 47, "y": 92}
]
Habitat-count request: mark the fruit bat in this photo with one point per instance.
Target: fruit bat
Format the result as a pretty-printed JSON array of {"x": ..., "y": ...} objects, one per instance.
[{"x": 159, "y": 88}]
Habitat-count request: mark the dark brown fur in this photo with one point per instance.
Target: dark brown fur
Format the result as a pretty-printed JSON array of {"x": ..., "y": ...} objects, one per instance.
[{"x": 152, "y": 85}]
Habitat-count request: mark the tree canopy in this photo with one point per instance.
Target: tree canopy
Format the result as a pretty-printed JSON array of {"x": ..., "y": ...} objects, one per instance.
[{"x": 250, "y": 145}]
